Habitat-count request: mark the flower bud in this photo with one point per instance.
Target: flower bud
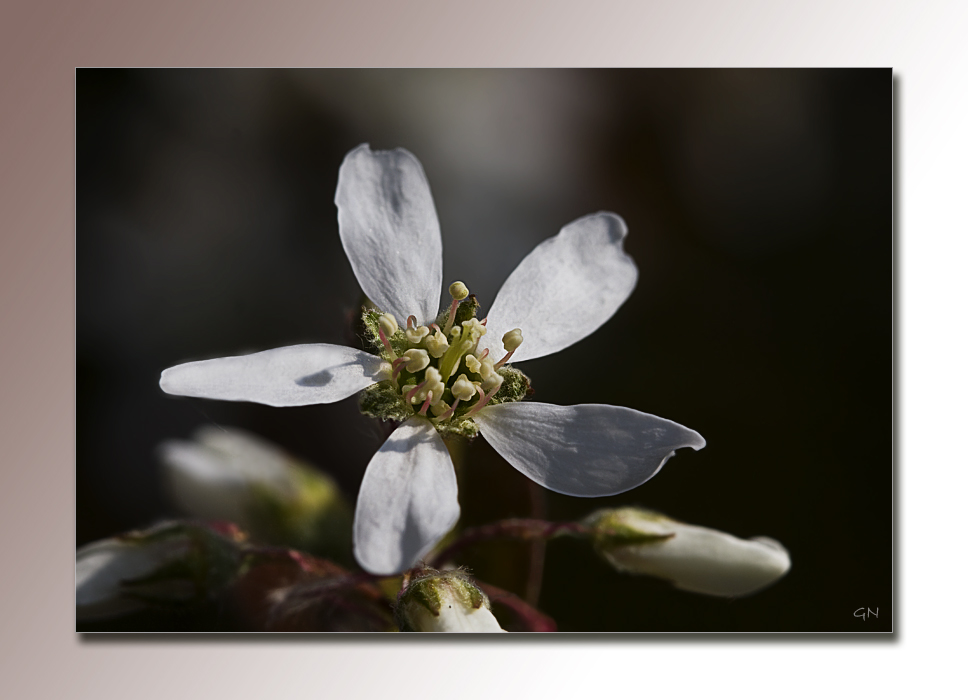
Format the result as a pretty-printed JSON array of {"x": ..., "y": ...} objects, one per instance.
[
  {"x": 693, "y": 558},
  {"x": 444, "y": 601},
  {"x": 170, "y": 564},
  {"x": 232, "y": 475}
]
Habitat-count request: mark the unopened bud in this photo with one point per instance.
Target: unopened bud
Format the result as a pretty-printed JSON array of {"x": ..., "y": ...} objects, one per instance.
[
  {"x": 170, "y": 564},
  {"x": 228, "y": 474},
  {"x": 459, "y": 291},
  {"x": 693, "y": 558},
  {"x": 444, "y": 601}
]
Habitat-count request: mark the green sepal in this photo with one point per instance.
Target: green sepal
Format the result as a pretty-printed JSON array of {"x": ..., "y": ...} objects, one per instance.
[{"x": 610, "y": 529}]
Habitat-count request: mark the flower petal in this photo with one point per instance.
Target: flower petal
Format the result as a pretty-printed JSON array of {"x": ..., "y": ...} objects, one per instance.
[
  {"x": 390, "y": 233},
  {"x": 407, "y": 502},
  {"x": 564, "y": 289},
  {"x": 587, "y": 450},
  {"x": 298, "y": 375}
]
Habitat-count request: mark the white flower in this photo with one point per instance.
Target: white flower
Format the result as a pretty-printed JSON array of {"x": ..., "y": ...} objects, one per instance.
[
  {"x": 228, "y": 474},
  {"x": 561, "y": 292},
  {"x": 693, "y": 558}
]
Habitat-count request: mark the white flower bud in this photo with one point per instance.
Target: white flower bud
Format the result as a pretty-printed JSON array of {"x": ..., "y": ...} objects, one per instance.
[
  {"x": 473, "y": 364},
  {"x": 388, "y": 324},
  {"x": 512, "y": 340},
  {"x": 463, "y": 388},
  {"x": 693, "y": 558},
  {"x": 459, "y": 291},
  {"x": 418, "y": 359},
  {"x": 116, "y": 576},
  {"x": 228, "y": 474},
  {"x": 444, "y": 601}
]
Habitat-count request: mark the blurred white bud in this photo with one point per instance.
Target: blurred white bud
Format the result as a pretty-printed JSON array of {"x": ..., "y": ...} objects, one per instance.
[
  {"x": 170, "y": 564},
  {"x": 444, "y": 601},
  {"x": 693, "y": 558},
  {"x": 233, "y": 475}
]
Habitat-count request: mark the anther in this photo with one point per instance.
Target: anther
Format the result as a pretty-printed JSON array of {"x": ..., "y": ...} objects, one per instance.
[
  {"x": 415, "y": 335},
  {"x": 449, "y": 412},
  {"x": 388, "y": 324},
  {"x": 417, "y": 360},
  {"x": 512, "y": 341}
]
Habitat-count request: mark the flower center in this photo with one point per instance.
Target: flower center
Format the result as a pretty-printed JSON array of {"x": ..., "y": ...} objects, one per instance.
[{"x": 438, "y": 371}]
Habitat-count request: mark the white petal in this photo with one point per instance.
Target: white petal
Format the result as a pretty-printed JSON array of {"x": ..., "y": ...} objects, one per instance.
[
  {"x": 298, "y": 375},
  {"x": 700, "y": 559},
  {"x": 390, "y": 233},
  {"x": 587, "y": 450},
  {"x": 565, "y": 289},
  {"x": 407, "y": 502}
]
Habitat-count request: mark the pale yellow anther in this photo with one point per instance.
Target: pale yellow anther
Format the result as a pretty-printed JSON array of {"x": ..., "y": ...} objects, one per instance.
[
  {"x": 459, "y": 291},
  {"x": 439, "y": 408},
  {"x": 417, "y": 359},
  {"x": 415, "y": 335},
  {"x": 474, "y": 328},
  {"x": 388, "y": 324},
  {"x": 473, "y": 364},
  {"x": 385, "y": 371},
  {"x": 436, "y": 344},
  {"x": 434, "y": 388},
  {"x": 512, "y": 340},
  {"x": 486, "y": 369},
  {"x": 492, "y": 381},
  {"x": 463, "y": 388}
]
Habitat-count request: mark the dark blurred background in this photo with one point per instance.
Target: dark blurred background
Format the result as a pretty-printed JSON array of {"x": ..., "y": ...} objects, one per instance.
[{"x": 759, "y": 210}]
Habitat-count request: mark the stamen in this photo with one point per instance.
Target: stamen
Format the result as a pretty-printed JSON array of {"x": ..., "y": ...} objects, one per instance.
[
  {"x": 413, "y": 392},
  {"x": 449, "y": 412},
  {"x": 458, "y": 292},
  {"x": 398, "y": 365},
  {"x": 512, "y": 341},
  {"x": 426, "y": 405},
  {"x": 386, "y": 344}
]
